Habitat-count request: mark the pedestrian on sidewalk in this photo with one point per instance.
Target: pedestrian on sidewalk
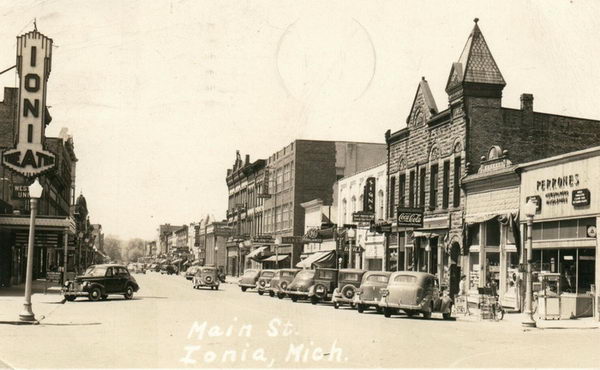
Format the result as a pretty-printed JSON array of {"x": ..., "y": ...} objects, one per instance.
[{"x": 463, "y": 293}]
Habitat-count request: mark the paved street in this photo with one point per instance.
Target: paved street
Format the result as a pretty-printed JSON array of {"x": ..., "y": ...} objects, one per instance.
[{"x": 169, "y": 324}]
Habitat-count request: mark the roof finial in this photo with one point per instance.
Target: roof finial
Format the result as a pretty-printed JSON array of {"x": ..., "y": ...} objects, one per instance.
[
  {"x": 476, "y": 20},
  {"x": 35, "y": 24}
]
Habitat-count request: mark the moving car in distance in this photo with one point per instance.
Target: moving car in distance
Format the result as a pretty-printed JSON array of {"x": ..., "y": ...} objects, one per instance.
[
  {"x": 249, "y": 279},
  {"x": 206, "y": 276},
  {"x": 191, "y": 271},
  {"x": 369, "y": 293},
  {"x": 348, "y": 283},
  {"x": 99, "y": 281},
  {"x": 414, "y": 293}
]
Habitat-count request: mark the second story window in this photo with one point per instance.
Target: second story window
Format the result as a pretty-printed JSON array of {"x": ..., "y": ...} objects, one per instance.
[
  {"x": 446, "y": 185},
  {"x": 433, "y": 187},
  {"x": 411, "y": 189},
  {"x": 279, "y": 180},
  {"x": 422, "y": 187},
  {"x": 392, "y": 195},
  {"x": 456, "y": 184},
  {"x": 402, "y": 191}
]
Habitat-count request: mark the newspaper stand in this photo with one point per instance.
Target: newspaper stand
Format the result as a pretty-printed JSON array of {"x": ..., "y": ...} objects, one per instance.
[{"x": 487, "y": 303}]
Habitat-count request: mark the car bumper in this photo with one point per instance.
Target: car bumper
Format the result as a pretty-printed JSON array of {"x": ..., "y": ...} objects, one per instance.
[
  {"x": 367, "y": 303},
  {"x": 341, "y": 299},
  {"x": 250, "y": 286},
  {"x": 296, "y": 293},
  {"x": 385, "y": 303}
]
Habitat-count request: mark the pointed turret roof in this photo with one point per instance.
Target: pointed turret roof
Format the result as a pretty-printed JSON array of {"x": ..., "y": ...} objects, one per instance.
[
  {"x": 424, "y": 91},
  {"x": 476, "y": 63}
]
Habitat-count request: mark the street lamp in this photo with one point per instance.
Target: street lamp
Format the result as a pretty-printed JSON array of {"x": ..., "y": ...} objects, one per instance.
[
  {"x": 35, "y": 192},
  {"x": 528, "y": 321},
  {"x": 277, "y": 244},
  {"x": 351, "y": 239}
]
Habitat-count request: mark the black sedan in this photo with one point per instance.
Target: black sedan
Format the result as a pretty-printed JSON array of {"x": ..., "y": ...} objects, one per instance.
[{"x": 99, "y": 281}]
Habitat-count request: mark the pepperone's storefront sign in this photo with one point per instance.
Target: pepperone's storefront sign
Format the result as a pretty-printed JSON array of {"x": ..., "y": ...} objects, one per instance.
[
  {"x": 563, "y": 189},
  {"x": 29, "y": 158}
]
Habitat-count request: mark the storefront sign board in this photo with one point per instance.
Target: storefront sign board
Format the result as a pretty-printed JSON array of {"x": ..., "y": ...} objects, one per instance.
[
  {"x": 29, "y": 158},
  {"x": 410, "y": 217}
]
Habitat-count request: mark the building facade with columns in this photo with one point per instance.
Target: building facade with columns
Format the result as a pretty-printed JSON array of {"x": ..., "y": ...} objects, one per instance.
[{"x": 437, "y": 148}]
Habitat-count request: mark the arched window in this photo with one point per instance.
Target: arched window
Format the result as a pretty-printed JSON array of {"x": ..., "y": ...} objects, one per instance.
[
  {"x": 353, "y": 205},
  {"x": 360, "y": 203},
  {"x": 344, "y": 210}
]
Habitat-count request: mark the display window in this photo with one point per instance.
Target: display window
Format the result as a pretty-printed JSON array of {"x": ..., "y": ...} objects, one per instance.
[{"x": 576, "y": 267}]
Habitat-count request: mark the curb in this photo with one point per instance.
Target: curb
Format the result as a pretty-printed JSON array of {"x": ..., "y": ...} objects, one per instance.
[{"x": 14, "y": 322}]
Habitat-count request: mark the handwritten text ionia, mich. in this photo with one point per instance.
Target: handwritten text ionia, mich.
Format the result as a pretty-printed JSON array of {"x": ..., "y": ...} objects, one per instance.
[{"x": 214, "y": 345}]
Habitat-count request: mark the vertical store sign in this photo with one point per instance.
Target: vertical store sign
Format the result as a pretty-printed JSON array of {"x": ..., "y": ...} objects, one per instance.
[
  {"x": 34, "y": 53},
  {"x": 265, "y": 187},
  {"x": 369, "y": 196}
]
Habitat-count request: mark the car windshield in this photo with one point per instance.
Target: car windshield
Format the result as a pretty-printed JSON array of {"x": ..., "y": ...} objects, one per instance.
[
  {"x": 405, "y": 279},
  {"x": 287, "y": 273},
  {"x": 306, "y": 274},
  {"x": 378, "y": 278},
  {"x": 96, "y": 271},
  {"x": 350, "y": 276},
  {"x": 326, "y": 274},
  {"x": 267, "y": 274}
]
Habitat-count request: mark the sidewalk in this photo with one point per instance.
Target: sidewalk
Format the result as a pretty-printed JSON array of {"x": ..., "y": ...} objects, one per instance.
[
  {"x": 12, "y": 299},
  {"x": 514, "y": 318}
]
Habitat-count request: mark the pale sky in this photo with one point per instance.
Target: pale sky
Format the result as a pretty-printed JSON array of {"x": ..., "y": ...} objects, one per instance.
[{"x": 159, "y": 95}]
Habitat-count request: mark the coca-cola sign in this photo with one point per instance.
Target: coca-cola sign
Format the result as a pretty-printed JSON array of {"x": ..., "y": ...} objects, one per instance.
[{"x": 410, "y": 217}]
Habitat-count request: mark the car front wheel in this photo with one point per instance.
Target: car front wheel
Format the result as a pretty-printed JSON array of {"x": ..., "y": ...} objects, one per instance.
[
  {"x": 128, "y": 292},
  {"x": 294, "y": 298},
  {"x": 95, "y": 294},
  {"x": 336, "y": 305},
  {"x": 427, "y": 315},
  {"x": 271, "y": 294},
  {"x": 360, "y": 308},
  {"x": 387, "y": 312},
  {"x": 244, "y": 289},
  {"x": 70, "y": 298},
  {"x": 447, "y": 316},
  {"x": 260, "y": 292}
]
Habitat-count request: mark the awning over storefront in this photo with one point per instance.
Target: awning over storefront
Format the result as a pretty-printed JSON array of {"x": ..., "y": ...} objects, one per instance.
[
  {"x": 483, "y": 217},
  {"x": 421, "y": 234},
  {"x": 275, "y": 258},
  {"x": 256, "y": 252},
  {"x": 320, "y": 259}
]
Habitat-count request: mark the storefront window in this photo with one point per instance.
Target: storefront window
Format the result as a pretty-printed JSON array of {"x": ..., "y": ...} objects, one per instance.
[
  {"x": 474, "y": 270},
  {"x": 586, "y": 265},
  {"x": 568, "y": 229},
  {"x": 474, "y": 234},
  {"x": 492, "y": 234}
]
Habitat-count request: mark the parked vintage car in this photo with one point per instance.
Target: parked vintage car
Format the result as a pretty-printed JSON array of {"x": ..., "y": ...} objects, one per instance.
[
  {"x": 264, "y": 280},
  {"x": 248, "y": 279},
  {"x": 414, "y": 293},
  {"x": 280, "y": 281},
  {"x": 299, "y": 287},
  {"x": 206, "y": 276},
  {"x": 348, "y": 283},
  {"x": 324, "y": 284},
  {"x": 369, "y": 293},
  {"x": 99, "y": 281},
  {"x": 191, "y": 272}
]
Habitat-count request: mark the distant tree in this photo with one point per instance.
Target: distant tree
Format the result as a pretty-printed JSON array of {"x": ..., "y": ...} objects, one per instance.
[
  {"x": 112, "y": 247},
  {"x": 134, "y": 249}
]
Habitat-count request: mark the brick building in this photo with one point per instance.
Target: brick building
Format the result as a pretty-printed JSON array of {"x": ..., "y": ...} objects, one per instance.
[
  {"x": 245, "y": 183},
  {"x": 303, "y": 171},
  {"x": 164, "y": 231},
  {"x": 55, "y": 224},
  {"x": 428, "y": 158}
]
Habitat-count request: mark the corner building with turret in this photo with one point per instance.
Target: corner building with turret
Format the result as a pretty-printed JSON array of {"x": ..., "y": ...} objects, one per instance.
[{"x": 429, "y": 157}]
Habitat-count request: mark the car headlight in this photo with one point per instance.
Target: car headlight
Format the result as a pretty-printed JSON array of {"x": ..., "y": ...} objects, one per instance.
[
  {"x": 85, "y": 283},
  {"x": 320, "y": 289},
  {"x": 67, "y": 283}
]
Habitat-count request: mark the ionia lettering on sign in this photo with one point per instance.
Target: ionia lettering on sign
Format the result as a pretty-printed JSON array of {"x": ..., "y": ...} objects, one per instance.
[{"x": 34, "y": 53}]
